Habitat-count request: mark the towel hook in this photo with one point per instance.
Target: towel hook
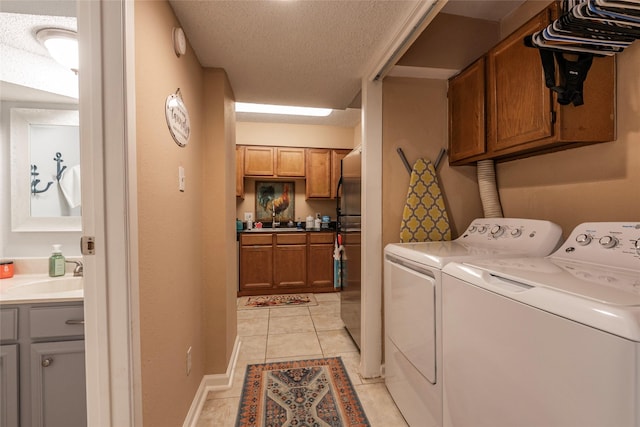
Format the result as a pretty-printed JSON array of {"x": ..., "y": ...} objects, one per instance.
[
  {"x": 35, "y": 181},
  {"x": 58, "y": 160}
]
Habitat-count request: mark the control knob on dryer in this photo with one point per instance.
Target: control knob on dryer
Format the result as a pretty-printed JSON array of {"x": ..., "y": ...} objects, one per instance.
[
  {"x": 636, "y": 245},
  {"x": 516, "y": 232},
  {"x": 497, "y": 231},
  {"x": 608, "y": 242},
  {"x": 583, "y": 239}
]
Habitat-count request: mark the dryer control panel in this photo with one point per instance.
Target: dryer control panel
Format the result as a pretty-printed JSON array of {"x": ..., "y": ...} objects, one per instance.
[
  {"x": 530, "y": 236},
  {"x": 615, "y": 244}
]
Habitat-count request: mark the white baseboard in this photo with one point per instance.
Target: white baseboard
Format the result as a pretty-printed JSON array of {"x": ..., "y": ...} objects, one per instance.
[{"x": 215, "y": 382}]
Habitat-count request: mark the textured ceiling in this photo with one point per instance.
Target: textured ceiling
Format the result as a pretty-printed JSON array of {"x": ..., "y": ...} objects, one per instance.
[{"x": 311, "y": 53}]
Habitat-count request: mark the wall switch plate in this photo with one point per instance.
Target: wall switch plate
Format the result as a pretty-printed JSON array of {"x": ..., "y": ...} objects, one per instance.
[
  {"x": 248, "y": 216},
  {"x": 181, "y": 178},
  {"x": 188, "y": 361}
]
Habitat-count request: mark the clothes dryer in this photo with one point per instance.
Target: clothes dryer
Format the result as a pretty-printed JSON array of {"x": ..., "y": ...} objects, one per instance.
[
  {"x": 551, "y": 341},
  {"x": 412, "y": 303}
]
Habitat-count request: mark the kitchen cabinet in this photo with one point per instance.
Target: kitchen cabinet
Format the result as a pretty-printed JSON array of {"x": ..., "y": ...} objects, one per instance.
[
  {"x": 290, "y": 162},
  {"x": 285, "y": 262},
  {"x": 323, "y": 172},
  {"x": 320, "y": 271},
  {"x": 274, "y": 162},
  {"x": 336, "y": 159},
  {"x": 290, "y": 269},
  {"x": 240, "y": 171},
  {"x": 258, "y": 161},
  {"x": 318, "y": 174},
  {"x": 522, "y": 115},
  {"x": 256, "y": 262},
  {"x": 42, "y": 356}
]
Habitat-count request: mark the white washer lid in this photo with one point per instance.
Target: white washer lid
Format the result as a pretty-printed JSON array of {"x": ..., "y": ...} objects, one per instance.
[
  {"x": 603, "y": 284},
  {"x": 550, "y": 287}
]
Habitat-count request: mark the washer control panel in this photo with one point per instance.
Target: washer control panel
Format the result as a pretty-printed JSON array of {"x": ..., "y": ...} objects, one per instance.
[
  {"x": 534, "y": 237},
  {"x": 615, "y": 244}
]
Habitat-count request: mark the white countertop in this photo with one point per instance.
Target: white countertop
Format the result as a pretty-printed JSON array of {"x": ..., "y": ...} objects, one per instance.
[{"x": 37, "y": 288}]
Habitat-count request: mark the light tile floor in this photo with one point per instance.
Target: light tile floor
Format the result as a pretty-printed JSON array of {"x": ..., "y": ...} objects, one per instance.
[{"x": 290, "y": 333}]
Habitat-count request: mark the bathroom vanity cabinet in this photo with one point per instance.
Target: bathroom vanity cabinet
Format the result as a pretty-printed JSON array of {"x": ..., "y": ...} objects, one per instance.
[{"x": 42, "y": 365}]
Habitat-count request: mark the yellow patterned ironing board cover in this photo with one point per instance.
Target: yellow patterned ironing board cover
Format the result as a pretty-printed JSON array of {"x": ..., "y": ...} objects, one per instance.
[{"x": 424, "y": 217}]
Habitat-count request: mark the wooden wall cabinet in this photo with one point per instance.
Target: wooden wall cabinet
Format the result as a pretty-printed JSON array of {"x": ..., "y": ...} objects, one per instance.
[
  {"x": 323, "y": 172},
  {"x": 336, "y": 159},
  {"x": 258, "y": 161},
  {"x": 522, "y": 115},
  {"x": 288, "y": 262},
  {"x": 240, "y": 171},
  {"x": 290, "y": 162},
  {"x": 467, "y": 122}
]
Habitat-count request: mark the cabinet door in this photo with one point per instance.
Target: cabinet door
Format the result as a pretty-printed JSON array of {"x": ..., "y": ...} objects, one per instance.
[
  {"x": 336, "y": 159},
  {"x": 467, "y": 112},
  {"x": 58, "y": 397},
  {"x": 258, "y": 161},
  {"x": 240, "y": 172},
  {"x": 519, "y": 103},
  {"x": 321, "y": 266},
  {"x": 256, "y": 267},
  {"x": 290, "y": 162},
  {"x": 318, "y": 173},
  {"x": 290, "y": 266},
  {"x": 9, "y": 385}
]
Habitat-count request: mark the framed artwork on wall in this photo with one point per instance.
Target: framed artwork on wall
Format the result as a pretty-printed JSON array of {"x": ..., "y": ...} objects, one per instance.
[{"x": 275, "y": 196}]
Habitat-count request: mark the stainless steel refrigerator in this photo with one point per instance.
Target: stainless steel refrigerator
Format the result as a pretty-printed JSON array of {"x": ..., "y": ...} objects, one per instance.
[{"x": 348, "y": 212}]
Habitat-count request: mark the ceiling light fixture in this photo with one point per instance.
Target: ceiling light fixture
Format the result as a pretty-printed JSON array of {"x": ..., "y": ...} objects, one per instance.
[
  {"x": 62, "y": 46},
  {"x": 244, "y": 107}
]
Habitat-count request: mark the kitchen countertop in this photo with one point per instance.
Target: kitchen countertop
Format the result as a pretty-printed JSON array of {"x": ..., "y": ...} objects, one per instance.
[
  {"x": 37, "y": 288},
  {"x": 286, "y": 230}
]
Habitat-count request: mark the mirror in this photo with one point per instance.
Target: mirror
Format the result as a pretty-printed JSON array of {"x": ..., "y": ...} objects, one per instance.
[
  {"x": 31, "y": 79},
  {"x": 45, "y": 170}
]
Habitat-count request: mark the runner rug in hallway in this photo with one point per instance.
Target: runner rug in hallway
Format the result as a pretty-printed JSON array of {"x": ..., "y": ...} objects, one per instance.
[
  {"x": 314, "y": 392},
  {"x": 276, "y": 301}
]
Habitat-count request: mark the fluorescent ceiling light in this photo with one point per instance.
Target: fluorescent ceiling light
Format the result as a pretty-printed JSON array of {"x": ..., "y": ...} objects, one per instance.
[
  {"x": 62, "y": 46},
  {"x": 244, "y": 107}
]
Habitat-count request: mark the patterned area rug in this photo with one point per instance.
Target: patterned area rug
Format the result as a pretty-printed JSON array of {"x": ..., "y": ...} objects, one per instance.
[
  {"x": 263, "y": 301},
  {"x": 302, "y": 393}
]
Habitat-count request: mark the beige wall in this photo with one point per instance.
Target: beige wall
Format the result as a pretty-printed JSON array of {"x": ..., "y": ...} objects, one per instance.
[
  {"x": 184, "y": 290},
  {"x": 415, "y": 119},
  {"x": 219, "y": 237},
  {"x": 595, "y": 183},
  {"x": 293, "y": 135}
]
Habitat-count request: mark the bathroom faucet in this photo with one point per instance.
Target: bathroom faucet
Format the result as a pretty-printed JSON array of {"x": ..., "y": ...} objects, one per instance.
[{"x": 78, "y": 270}]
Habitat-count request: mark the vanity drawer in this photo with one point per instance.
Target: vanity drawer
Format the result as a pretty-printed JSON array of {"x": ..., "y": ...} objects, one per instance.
[
  {"x": 291, "y": 239},
  {"x": 52, "y": 322},
  {"x": 9, "y": 324},
  {"x": 256, "y": 239},
  {"x": 319, "y": 238}
]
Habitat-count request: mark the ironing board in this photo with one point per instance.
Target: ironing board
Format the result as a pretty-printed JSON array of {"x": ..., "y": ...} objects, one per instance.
[{"x": 424, "y": 217}]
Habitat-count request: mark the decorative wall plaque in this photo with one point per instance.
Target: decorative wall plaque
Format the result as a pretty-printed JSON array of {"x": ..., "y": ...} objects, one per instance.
[{"x": 178, "y": 119}]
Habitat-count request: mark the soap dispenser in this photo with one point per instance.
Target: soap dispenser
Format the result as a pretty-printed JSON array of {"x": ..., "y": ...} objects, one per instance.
[{"x": 56, "y": 262}]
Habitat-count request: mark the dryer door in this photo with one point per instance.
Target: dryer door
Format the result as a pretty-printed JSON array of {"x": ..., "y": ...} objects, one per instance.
[{"x": 410, "y": 315}]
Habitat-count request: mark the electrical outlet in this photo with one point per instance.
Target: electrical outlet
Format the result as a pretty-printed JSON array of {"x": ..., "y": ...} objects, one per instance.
[
  {"x": 248, "y": 216},
  {"x": 188, "y": 361}
]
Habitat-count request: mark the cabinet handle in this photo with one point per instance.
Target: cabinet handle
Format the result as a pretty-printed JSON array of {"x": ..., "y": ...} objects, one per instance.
[
  {"x": 47, "y": 361},
  {"x": 75, "y": 322}
]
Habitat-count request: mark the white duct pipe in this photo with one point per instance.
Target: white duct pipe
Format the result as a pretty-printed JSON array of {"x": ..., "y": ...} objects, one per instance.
[{"x": 488, "y": 189}]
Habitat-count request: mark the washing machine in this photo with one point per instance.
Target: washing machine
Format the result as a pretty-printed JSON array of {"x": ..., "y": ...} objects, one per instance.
[
  {"x": 412, "y": 304},
  {"x": 551, "y": 341}
]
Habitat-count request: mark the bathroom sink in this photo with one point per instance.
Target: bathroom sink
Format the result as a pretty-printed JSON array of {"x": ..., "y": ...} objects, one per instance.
[
  {"x": 273, "y": 230},
  {"x": 44, "y": 285}
]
